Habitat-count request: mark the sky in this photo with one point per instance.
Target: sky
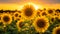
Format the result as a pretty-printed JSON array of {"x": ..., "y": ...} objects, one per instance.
[{"x": 15, "y": 4}]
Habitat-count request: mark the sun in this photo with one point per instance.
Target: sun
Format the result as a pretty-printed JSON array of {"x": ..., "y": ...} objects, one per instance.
[{"x": 35, "y": 5}]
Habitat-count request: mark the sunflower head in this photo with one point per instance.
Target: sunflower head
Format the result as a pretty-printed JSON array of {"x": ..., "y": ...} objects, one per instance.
[
  {"x": 6, "y": 18},
  {"x": 43, "y": 13},
  {"x": 50, "y": 11},
  {"x": 16, "y": 15},
  {"x": 28, "y": 11},
  {"x": 20, "y": 24},
  {"x": 41, "y": 24},
  {"x": 56, "y": 30}
]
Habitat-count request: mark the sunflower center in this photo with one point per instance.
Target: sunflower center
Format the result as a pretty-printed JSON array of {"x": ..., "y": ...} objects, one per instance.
[
  {"x": 16, "y": 15},
  {"x": 28, "y": 12},
  {"x": 40, "y": 23},
  {"x": 6, "y": 18},
  {"x": 58, "y": 31},
  {"x": 19, "y": 15},
  {"x": 21, "y": 24}
]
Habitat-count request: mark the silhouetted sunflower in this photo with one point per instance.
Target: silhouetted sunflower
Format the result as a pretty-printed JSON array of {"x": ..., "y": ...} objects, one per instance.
[
  {"x": 6, "y": 18},
  {"x": 28, "y": 11},
  {"x": 19, "y": 24},
  {"x": 56, "y": 30},
  {"x": 41, "y": 24}
]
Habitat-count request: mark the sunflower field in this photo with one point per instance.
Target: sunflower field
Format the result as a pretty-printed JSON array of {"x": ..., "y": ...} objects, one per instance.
[{"x": 30, "y": 21}]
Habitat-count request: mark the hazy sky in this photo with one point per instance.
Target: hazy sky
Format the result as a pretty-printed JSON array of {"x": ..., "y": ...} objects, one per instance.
[
  {"x": 13, "y": 4},
  {"x": 18, "y": 1}
]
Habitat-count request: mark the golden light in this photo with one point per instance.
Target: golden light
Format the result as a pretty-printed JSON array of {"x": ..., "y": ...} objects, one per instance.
[
  {"x": 36, "y": 6},
  {"x": 30, "y": 3},
  {"x": 20, "y": 7}
]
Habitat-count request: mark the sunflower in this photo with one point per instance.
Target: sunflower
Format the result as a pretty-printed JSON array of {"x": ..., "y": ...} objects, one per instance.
[
  {"x": 57, "y": 17},
  {"x": 0, "y": 18},
  {"x": 16, "y": 15},
  {"x": 39, "y": 12},
  {"x": 20, "y": 24},
  {"x": 41, "y": 24},
  {"x": 43, "y": 13},
  {"x": 52, "y": 19},
  {"x": 28, "y": 11},
  {"x": 6, "y": 18},
  {"x": 56, "y": 30},
  {"x": 50, "y": 12},
  {"x": 56, "y": 14}
]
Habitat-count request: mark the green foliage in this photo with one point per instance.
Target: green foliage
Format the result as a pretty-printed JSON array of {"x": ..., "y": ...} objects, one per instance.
[{"x": 12, "y": 28}]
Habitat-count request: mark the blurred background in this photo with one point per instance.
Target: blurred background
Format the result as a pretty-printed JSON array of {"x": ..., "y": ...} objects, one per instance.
[{"x": 16, "y": 4}]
